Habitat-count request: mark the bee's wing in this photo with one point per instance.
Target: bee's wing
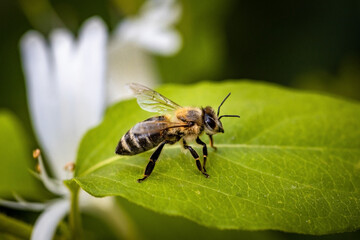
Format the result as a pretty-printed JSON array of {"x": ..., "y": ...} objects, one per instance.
[
  {"x": 152, "y": 101},
  {"x": 152, "y": 127}
]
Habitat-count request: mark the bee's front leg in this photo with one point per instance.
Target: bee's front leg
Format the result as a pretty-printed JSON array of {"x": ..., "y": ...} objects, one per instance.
[
  {"x": 154, "y": 157},
  {"x": 212, "y": 143},
  {"x": 196, "y": 157},
  {"x": 198, "y": 141}
]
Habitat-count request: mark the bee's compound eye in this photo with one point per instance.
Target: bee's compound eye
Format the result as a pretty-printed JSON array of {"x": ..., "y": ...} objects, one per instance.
[{"x": 210, "y": 122}]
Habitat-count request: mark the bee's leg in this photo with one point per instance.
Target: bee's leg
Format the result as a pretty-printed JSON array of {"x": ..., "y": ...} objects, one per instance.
[
  {"x": 198, "y": 141},
  {"x": 196, "y": 157},
  {"x": 212, "y": 143},
  {"x": 150, "y": 167}
]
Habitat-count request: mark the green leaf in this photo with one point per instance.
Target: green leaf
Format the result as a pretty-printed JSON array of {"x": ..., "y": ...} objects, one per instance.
[
  {"x": 16, "y": 162},
  {"x": 291, "y": 162}
]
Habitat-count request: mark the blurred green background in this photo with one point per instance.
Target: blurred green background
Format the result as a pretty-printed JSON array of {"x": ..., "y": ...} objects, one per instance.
[
  {"x": 305, "y": 44},
  {"x": 312, "y": 45}
]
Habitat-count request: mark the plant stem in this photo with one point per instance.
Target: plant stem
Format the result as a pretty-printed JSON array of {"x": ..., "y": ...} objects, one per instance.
[
  {"x": 74, "y": 217},
  {"x": 14, "y": 227}
]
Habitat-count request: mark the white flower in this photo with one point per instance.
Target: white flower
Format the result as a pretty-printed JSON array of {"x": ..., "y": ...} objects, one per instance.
[
  {"x": 66, "y": 88},
  {"x": 66, "y": 94},
  {"x": 151, "y": 32}
]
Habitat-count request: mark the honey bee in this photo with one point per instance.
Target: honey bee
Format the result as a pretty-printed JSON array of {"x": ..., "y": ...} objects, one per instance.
[{"x": 184, "y": 124}]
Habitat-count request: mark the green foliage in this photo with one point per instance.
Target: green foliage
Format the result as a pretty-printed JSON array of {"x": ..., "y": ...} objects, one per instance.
[
  {"x": 12, "y": 227},
  {"x": 16, "y": 162},
  {"x": 290, "y": 163}
]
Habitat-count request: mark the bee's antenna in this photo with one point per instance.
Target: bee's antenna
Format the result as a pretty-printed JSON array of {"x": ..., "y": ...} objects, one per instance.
[
  {"x": 229, "y": 116},
  {"x": 222, "y": 104}
]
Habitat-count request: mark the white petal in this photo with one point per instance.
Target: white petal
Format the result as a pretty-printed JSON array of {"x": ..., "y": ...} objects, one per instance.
[
  {"x": 161, "y": 42},
  {"x": 43, "y": 95},
  {"x": 23, "y": 205},
  {"x": 80, "y": 75},
  {"x": 153, "y": 29},
  {"x": 42, "y": 99},
  {"x": 45, "y": 226},
  {"x": 63, "y": 51},
  {"x": 163, "y": 13},
  {"x": 91, "y": 63}
]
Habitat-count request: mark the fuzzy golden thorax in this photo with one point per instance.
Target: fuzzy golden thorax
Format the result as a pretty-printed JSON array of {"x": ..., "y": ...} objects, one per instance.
[{"x": 194, "y": 115}]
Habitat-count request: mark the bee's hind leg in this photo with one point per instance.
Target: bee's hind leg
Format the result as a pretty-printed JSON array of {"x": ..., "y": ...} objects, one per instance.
[
  {"x": 196, "y": 157},
  {"x": 198, "y": 141},
  {"x": 154, "y": 157}
]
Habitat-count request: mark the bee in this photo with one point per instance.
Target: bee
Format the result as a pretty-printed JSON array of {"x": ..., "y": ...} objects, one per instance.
[{"x": 184, "y": 124}]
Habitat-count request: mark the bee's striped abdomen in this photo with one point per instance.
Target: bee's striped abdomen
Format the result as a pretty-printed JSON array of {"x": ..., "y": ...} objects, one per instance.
[{"x": 133, "y": 143}]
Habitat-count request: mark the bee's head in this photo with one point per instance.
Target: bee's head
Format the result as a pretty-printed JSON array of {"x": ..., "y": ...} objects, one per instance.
[{"x": 212, "y": 121}]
